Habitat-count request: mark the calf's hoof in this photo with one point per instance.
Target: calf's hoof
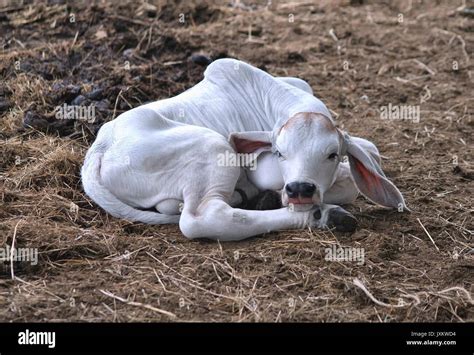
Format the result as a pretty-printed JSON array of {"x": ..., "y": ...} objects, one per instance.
[
  {"x": 337, "y": 218},
  {"x": 342, "y": 220}
]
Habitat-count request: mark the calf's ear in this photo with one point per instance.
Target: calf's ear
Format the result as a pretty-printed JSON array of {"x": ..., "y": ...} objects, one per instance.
[
  {"x": 369, "y": 177},
  {"x": 251, "y": 142}
]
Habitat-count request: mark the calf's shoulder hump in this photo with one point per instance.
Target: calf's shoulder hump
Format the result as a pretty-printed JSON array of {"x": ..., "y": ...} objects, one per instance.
[{"x": 228, "y": 68}]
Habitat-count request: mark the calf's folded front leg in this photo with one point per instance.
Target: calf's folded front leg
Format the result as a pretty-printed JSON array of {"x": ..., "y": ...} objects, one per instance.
[{"x": 215, "y": 219}]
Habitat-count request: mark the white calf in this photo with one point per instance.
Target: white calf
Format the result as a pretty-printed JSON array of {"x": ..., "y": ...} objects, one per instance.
[{"x": 165, "y": 155}]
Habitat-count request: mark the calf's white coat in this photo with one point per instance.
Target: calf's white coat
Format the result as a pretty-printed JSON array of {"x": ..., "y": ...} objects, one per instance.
[{"x": 163, "y": 156}]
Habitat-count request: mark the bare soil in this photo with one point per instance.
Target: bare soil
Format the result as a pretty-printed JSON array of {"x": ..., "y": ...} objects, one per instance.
[{"x": 358, "y": 56}]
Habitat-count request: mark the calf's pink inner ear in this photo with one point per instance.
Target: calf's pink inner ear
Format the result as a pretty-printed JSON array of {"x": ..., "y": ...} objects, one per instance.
[
  {"x": 371, "y": 180},
  {"x": 247, "y": 146},
  {"x": 374, "y": 186}
]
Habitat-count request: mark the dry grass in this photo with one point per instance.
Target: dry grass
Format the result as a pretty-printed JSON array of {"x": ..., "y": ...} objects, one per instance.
[{"x": 94, "y": 268}]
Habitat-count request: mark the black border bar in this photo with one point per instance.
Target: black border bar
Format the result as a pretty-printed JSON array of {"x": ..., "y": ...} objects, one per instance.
[{"x": 242, "y": 337}]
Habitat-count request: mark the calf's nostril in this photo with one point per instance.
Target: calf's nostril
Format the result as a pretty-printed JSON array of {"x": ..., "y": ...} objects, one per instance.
[
  {"x": 303, "y": 189},
  {"x": 292, "y": 189},
  {"x": 307, "y": 189}
]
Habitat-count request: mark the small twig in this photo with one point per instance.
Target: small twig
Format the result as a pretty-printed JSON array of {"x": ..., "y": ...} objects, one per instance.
[
  {"x": 333, "y": 35},
  {"x": 159, "y": 280},
  {"x": 463, "y": 290},
  {"x": 12, "y": 272},
  {"x": 461, "y": 40},
  {"x": 424, "y": 66},
  {"x": 44, "y": 289},
  {"x": 174, "y": 62},
  {"x": 428, "y": 234},
  {"x": 138, "y": 304},
  {"x": 359, "y": 284},
  {"x": 457, "y": 225},
  {"x": 116, "y": 102},
  {"x": 131, "y": 20},
  {"x": 74, "y": 40}
]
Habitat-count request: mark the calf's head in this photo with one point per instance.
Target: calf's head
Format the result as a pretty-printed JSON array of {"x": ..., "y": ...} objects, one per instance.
[{"x": 309, "y": 148}]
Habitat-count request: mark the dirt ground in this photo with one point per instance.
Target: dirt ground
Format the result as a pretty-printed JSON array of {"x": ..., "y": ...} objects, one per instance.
[{"x": 359, "y": 56}]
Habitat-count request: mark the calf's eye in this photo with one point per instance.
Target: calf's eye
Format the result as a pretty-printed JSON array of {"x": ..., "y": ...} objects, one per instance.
[
  {"x": 278, "y": 154},
  {"x": 333, "y": 156}
]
